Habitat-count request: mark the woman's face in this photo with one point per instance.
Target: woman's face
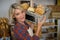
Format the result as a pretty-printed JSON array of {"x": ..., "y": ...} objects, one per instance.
[{"x": 19, "y": 15}]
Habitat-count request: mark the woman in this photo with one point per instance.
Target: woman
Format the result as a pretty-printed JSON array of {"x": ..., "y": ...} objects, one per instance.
[{"x": 21, "y": 27}]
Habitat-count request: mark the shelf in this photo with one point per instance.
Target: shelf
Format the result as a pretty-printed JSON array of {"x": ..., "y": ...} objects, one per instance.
[
  {"x": 56, "y": 8},
  {"x": 49, "y": 26},
  {"x": 49, "y": 33},
  {"x": 45, "y": 35}
]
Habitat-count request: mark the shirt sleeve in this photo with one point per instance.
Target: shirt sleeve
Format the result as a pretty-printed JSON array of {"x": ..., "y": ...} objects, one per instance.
[
  {"x": 22, "y": 34},
  {"x": 35, "y": 37}
]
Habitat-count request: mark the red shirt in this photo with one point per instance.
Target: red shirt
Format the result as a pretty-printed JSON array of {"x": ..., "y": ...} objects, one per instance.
[{"x": 21, "y": 33}]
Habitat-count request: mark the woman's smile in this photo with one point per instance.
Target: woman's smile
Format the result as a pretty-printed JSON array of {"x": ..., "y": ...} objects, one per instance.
[{"x": 19, "y": 15}]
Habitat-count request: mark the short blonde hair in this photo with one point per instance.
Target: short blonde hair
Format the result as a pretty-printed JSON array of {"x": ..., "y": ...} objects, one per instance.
[{"x": 11, "y": 11}]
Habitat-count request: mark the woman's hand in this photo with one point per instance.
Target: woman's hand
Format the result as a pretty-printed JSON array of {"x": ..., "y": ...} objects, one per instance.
[
  {"x": 31, "y": 25},
  {"x": 40, "y": 23}
]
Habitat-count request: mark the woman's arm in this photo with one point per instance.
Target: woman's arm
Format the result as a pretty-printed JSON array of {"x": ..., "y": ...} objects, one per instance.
[{"x": 40, "y": 23}]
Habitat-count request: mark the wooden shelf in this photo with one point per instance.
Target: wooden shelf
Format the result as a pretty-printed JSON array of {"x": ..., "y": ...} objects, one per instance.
[{"x": 55, "y": 8}]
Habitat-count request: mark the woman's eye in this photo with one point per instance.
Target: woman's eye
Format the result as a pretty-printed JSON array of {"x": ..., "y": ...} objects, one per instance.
[
  {"x": 17, "y": 14},
  {"x": 22, "y": 11}
]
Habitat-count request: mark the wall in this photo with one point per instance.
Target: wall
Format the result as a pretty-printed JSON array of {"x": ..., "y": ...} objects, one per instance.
[
  {"x": 4, "y": 7},
  {"x": 45, "y": 2}
]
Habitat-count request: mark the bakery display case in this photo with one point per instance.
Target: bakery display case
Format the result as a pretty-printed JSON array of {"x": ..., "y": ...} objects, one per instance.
[{"x": 51, "y": 31}]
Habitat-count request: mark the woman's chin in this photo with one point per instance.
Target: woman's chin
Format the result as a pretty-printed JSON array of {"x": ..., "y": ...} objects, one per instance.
[{"x": 23, "y": 20}]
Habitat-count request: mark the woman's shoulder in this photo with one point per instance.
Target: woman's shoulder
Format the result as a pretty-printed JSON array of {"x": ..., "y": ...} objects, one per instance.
[{"x": 28, "y": 24}]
